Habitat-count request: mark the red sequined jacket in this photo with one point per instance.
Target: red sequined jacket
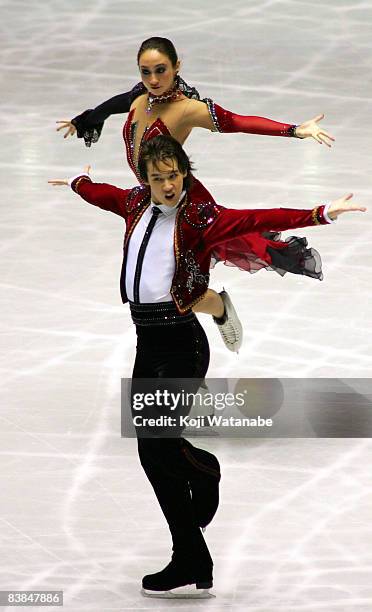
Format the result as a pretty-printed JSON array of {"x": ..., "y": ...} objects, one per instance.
[{"x": 204, "y": 230}]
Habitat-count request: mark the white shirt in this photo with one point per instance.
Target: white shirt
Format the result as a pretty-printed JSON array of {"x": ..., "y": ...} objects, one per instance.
[{"x": 159, "y": 262}]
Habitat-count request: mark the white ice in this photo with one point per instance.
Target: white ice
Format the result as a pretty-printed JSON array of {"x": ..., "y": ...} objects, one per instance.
[{"x": 293, "y": 532}]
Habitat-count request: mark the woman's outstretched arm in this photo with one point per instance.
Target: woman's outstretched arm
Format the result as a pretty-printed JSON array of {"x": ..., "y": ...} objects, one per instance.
[
  {"x": 89, "y": 124},
  {"x": 211, "y": 116}
]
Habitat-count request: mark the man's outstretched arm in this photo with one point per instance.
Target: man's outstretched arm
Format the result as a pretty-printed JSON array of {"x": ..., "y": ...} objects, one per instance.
[
  {"x": 105, "y": 196},
  {"x": 234, "y": 223}
]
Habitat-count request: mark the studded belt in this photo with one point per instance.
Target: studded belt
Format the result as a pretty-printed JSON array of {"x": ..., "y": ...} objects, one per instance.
[{"x": 161, "y": 313}]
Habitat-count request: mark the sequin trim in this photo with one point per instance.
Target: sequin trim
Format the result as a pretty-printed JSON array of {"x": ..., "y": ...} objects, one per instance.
[
  {"x": 129, "y": 143},
  {"x": 194, "y": 274},
  {"x": 314, "y": 216},
  {"x": 132, "y": 136},
  {"x": 183, "y": 309},
  {"x": 206, "y": 211},
  {"x": 135, "y": 221},
  {"x": 190, "y": 92},
  {"x": 213, "y": 115},
  {"x": 169, "y": 96},
  {"x": 175, "y": 239},
  {"x": 161, "y": 313},
  {"x": 79, "y": 180},
  {"x": 291, "y": 132},
  {"x": 131, "y": 203}
]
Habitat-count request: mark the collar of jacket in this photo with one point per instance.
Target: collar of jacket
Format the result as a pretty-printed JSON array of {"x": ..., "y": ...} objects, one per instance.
[{"x": 143, "y": 205}]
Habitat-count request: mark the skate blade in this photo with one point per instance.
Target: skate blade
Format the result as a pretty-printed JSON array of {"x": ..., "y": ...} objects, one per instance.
[{"x": 185, "y": 592}]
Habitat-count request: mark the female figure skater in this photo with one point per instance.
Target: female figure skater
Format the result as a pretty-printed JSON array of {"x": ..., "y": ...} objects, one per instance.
[
  {"x": 164, "y": 104},
  {"x": 167, "y": 217}
]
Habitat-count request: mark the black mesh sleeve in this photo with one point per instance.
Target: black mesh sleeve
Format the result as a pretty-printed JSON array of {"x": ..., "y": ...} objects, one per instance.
[{"x": 89, "y": 124}]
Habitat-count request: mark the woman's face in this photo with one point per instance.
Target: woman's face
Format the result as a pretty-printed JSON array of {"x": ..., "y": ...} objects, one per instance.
[{"x": 157, "y": 71}]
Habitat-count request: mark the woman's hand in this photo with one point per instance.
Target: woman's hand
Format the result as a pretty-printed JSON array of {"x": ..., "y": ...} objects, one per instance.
[
  {"x": 71, "y": 129},
  {"x": 65, "y": 181},
  {"x": 342, "y": 205},
  {"x": 311, "y": 129}
]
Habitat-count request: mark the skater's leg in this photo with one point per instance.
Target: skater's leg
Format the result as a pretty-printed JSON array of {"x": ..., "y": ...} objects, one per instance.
[
  {"x": 181, "y": 352},
  {"x": 211, "y": 304},
  {"x": 220, "y": 306}
]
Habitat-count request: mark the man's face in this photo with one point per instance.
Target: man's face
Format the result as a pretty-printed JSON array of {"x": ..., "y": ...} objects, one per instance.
[{"x": 165, "y": 181}]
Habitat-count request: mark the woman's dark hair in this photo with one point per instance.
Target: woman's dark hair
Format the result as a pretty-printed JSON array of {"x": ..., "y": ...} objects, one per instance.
[
  {"x": 163, "y": 45},
  {"x": 161, "y": 148}
]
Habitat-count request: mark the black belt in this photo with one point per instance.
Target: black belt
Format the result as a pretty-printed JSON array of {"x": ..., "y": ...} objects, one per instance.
[{"x": 161, "y": 313}]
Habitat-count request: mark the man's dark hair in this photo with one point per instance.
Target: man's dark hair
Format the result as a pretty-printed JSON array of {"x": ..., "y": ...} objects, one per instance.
[{"x": 161, "y": 148}]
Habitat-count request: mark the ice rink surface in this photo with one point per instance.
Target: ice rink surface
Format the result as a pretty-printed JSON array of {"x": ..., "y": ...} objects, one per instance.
[{"x": 293, "y": 532}]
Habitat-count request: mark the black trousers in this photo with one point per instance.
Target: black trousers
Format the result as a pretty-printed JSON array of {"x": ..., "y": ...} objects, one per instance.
[{"x": 174, "y": 351}]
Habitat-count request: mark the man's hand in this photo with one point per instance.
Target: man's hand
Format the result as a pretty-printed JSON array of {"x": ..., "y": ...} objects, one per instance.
[
  {"x": 311, "y": 129},
  {"x": 58, "y": 182},
  {"x": 343, "y": 205},
  {"x": 65, "y": 181},
  {"x": 71, "y": 129}
]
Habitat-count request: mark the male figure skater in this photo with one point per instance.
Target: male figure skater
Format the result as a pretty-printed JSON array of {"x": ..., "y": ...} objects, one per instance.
[{"x": 173, "y": 226}]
